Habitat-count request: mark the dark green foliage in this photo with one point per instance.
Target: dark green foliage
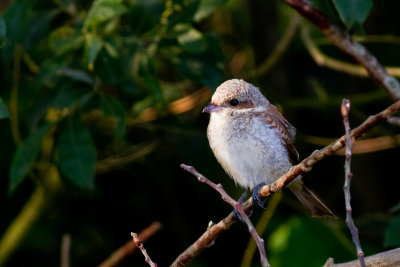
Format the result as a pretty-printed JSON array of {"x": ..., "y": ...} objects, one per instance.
[
  {"x": 106, "y": 94},
  {"x": 3, "y": 110},
  {"x": 77, "y": 154},
  {"x": 25, "y": 156},
  {"x": 392, "y": 235},
  {"x": 2, "y": 31},
  {"x": 297, "y": 242},
  {"x": 353, "y": 13}
]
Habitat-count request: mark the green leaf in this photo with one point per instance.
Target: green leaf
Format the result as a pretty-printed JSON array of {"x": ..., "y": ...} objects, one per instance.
[
  {"x": 2, "y": 31},
  {"x": 111, "y": 49},
  {"x": 65, "y": 39},
  {"x": 392, "y": 234},
  {"x": 92, "y": 49},
  {"x": 112, "y": 107},
  {"x": 207, "y": 7},
  {"x": 77, "y": 154},
  {"x": 3, "y": 110},
  {"x": 297, "y": 242},
  {"x": 191, "y": 39},
  {"x": 327, "y": 7},
  {"x": 199, "y": 69},
  {"x": 17, "y": 17},
  {"x": 104, "y": 10},
  {"x": 48, "y": 71},
  {"x": 353, "y": 13},
  {"x": 145, "y": 72},
  {"x": 76, "y": 75},
  {"x": 25, "y": 157}
]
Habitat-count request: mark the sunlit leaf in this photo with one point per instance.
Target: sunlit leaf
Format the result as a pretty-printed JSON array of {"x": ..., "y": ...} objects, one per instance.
[
  {"x": 64, "y": 39},
  {"x": 92, "y": 49},
  {"x": 3, "y": 110},
  {"x": 191, "y": 39},
  {"x": 392, "y": 234},
  {"x": 25, "y": 157},
  {"x": 77, "y": 154},
  {"x": 103, "y": 10},
  {"x": 111, "y": 50},
  {"x": 207, "y": 7},
  {"x": 353, "y": 13}
]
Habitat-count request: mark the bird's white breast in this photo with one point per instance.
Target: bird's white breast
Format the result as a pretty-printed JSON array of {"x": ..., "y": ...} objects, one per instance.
[{"x": 247, "y": 148}]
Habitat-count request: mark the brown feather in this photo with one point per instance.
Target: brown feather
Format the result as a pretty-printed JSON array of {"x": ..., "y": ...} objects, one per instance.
[{"x": 276, "y": 120}]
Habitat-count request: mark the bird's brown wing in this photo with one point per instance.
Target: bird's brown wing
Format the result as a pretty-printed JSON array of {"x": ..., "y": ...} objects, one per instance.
[{"x": 276, "y": 120}]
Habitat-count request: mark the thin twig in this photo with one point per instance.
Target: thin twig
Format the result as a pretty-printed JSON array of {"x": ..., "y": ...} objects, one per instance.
[
  {"x": 128, "y": 248},
  {"x": 65, "y": 250},
  {"x": 236, "y": 205},
  {"x": 344, "y": 41},
  {"x": 140, "y": 245},
  {"x": 261, "y": 226},
  {"x": 127, "y": 156},
  {"x": 217, "y": 229},
  {"x": 348, "y": 175}
]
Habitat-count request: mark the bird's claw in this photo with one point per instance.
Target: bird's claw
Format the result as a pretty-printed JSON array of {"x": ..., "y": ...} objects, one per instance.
[
  {"x": 241, "y": 200},
  {"x": 237, "y": 215},
  {"x": 256, "y": 200}
]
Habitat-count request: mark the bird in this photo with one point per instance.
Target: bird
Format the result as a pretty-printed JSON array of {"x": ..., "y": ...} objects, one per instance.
[{"x": 254, "y": 143}]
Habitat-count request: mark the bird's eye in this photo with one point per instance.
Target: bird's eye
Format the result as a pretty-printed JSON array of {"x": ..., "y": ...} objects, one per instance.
[{"x": 234, "y": 102}]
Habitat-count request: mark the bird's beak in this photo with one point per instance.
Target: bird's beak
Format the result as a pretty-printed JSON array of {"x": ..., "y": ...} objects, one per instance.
[{"x": 210, "y": 108}]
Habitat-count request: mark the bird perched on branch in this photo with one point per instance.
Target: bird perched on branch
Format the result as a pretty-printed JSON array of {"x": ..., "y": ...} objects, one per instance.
[{"x": 254, "y": 142}]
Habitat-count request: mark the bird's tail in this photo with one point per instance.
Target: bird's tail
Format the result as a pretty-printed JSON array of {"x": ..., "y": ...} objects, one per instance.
[{"x": 310, "y": 200}]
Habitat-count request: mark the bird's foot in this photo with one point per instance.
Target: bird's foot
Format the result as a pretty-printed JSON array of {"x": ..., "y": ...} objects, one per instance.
[
  {"x": 256, "y": 200},
  {"x": 241, "y": 200}
]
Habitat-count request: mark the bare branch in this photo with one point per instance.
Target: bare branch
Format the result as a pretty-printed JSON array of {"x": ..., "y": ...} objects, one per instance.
[
  {"x": 128, "y": 248},
  {"x": 65, "y": 250},
  {"x": 305, "y": 166},
  {"x": 140, "y": 245},
  {"x": 345, "y": 42},
  {"x": 261, "y": 226},
  {"x": 348, "y": 175},
  {"x": 389, "y": 258},
  {"x": 236, "y": 205}
]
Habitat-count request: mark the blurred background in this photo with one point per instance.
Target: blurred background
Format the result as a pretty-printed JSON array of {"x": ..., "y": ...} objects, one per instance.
[{"x": 100, "y": 102}]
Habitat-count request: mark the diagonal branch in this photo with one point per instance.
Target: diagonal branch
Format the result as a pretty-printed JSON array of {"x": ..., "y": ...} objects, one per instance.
[
  {"x": 208, "y": 237},
  {"x": 140, "y": 245},
  {"x": 237, "y": 206},
  {"x": 344, "y": 41}
]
